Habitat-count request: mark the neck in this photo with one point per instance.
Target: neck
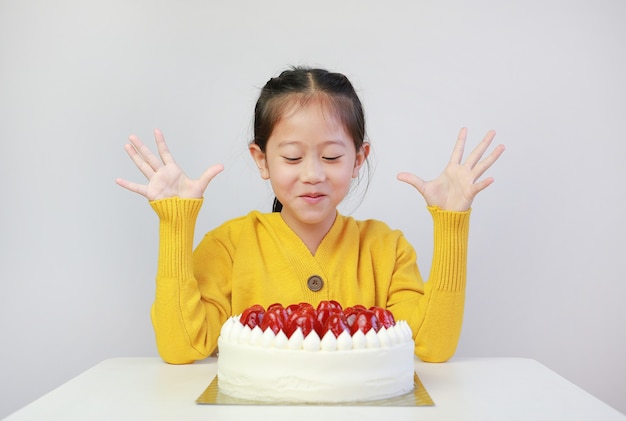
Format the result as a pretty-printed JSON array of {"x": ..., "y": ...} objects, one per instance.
[{"x": 310, "y": 234}]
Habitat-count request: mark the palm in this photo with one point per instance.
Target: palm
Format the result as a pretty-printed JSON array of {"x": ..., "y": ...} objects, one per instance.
[
  {"x": 165, "y": 178},
  {"x": 170, "y": 181},
  {"x": 457, "y": 186}
]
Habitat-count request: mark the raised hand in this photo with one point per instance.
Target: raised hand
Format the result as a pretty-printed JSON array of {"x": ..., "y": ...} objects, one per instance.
[
  {"x": 457, "y": 185},
  {"x": 165, "y": 178}
]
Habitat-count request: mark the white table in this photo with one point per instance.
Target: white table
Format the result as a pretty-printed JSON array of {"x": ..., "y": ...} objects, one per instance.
[{"x": 462, "y": 389}]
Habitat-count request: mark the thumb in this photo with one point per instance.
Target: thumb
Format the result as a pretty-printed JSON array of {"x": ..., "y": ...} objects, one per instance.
[
  {"x": 210, "y": 174},
  {"x": 413, "y": 180}
]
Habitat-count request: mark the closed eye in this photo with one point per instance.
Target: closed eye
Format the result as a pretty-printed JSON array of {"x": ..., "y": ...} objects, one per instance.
[
  {"x": 331, "y": 158},
  {"x": 289, "y": 159}
]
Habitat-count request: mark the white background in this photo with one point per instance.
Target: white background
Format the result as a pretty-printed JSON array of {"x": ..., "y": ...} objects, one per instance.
[{"x": 78, "y": 259}]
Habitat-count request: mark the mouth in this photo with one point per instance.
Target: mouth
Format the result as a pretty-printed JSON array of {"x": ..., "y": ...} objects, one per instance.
[
  {"x": 313, "y": 195},
  {"x": 313, "y": 198}
]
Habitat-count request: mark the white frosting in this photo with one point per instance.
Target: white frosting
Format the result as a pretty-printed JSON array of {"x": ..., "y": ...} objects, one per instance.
[
  {"x": 329, "y": 342},
  {"x": 281, "y": 341},
  {"x": 235, "y": 331},
  {"x": 312, "y": 342},
  {"x": 383, "y": 337},
  {"x": 371, "y": 339},
  {"x": 358, "y": 340},
  {"x": 255, "y": 336},
  {"x": 268, "y": 339},
  {"x": 245, "y": 336},
  {"x": 263, "y": 366},
  {"x": 296, "y": 341},
  {"x": 344, "y": 341}
]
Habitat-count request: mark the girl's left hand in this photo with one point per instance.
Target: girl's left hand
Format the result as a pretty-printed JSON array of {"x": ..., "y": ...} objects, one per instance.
[{"x": 457, "y": 185}]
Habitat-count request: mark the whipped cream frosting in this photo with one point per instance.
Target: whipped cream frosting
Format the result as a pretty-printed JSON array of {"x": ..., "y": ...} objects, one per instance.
[{"x": 264, "y": 366}]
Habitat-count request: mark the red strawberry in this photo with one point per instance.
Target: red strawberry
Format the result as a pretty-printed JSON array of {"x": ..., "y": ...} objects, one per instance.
[
  {"x": 328, "y": 304},
  {"x": 322, "y": 317},
  {"x": 275, "y": 305},
  {"x": 306, "y": 308},
  {"x": 323, "y": 305},
  {"x": 390, "y": 319},
  {"x": 335, "y": 304},
  {"x": 384, "y": 316},
  {"x": 336, "y": 323},
  {"x": 273, "y": 320},
  {"x": 252, "y": 316},
  {"x": 303, "y": 318},
  {"x": 365, "y": 320},
  {"x": 277, "y": 309},
  {"x": 350, "y": 315},
  {"x": 292, "y": 309}
]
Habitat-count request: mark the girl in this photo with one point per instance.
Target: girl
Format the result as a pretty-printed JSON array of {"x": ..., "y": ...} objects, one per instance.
[{"x": 309, "y": 142}]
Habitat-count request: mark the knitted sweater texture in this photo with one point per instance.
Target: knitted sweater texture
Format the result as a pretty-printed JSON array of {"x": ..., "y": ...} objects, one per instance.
[{"x": 258, "y": 259}]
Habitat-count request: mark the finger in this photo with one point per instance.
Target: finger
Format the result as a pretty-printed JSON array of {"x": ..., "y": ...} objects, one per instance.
[
  {"x": 413, "y": 180},
  {"x": 146, "y": 153},
  {"x": 134, "y": 187},
  {"x": 482, "y": 185},
  {"x": 459, "y": 147},
  {"x": 210, "y": 174},
  {"x": 140, "y": 162},
  {"x": 164, "y": 151},
  {"x": 480, "y": 149},
  {"x": 486, "y": 163}
]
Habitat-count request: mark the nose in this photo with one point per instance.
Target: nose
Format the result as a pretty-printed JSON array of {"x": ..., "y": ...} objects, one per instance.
[{"x": 312, "y": 171}]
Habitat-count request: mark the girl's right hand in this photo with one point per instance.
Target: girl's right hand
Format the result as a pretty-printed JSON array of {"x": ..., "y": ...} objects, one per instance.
[{"x": 165, "y": 178}]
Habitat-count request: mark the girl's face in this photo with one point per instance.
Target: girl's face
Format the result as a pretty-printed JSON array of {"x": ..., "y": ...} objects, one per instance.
[{"x": 310, "y": 161}]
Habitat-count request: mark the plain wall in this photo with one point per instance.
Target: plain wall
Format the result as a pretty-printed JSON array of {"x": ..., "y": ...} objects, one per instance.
[{"x": 78, "y": 261}]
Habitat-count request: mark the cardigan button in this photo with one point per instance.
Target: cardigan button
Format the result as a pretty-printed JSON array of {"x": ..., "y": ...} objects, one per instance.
[{"x": 315, "y": 283}]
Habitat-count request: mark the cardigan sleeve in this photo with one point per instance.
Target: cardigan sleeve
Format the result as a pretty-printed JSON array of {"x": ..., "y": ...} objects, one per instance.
[
  {"x": 178, "y": 314},
  {"x": 434, "y": 309},
  {"x": 439, "y": 328}
]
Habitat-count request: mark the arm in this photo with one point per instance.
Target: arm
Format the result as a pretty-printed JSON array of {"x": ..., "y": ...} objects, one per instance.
[
  {"x": 177, "y": 312},
  {"x": 443, "y": 303},
  {"x": 177, "y": 200},
  {"x": 439, "y": 315},
  {"x": 433, "y": 309}
]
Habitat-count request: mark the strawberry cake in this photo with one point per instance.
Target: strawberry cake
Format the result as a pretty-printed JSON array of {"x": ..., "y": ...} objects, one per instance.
[{"x": 303, "y": 354}]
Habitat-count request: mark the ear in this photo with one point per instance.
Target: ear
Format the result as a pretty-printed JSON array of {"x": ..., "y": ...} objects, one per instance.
[
  {"x": 259, "y": 158},
  {"x": 361, "y": 156}
]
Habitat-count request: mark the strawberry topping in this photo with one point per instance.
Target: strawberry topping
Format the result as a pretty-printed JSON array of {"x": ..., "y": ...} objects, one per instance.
[{"x": 327, "y": 316}]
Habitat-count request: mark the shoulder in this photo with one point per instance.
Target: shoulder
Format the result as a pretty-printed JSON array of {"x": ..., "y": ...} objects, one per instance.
[
  {"x": 226, "y": 237},
  {"x": 371, "y": 230},
  {"x": 373, "y": 238},
  {"x": 365, "y": 225},
  {"x": 383, "y": 242},
  {"x": 242, "y": 225}
]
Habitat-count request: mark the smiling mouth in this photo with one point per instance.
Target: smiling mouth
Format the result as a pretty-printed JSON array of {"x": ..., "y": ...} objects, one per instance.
[{"x": 313, "y": 198}]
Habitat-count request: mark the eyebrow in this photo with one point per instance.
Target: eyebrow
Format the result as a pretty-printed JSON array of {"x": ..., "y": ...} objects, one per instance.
[{"x": 298, "y": 142}]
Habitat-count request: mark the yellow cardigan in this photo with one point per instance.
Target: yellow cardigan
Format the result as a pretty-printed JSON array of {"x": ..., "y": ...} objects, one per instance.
[{"x": 258, "y": 259}]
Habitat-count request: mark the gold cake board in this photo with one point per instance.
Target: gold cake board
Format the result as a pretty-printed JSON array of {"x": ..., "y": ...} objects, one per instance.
[{"x": 419, "y": 397}]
